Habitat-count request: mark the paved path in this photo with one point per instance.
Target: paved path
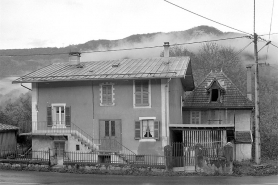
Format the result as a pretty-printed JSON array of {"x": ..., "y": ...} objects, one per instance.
[{"x": 41, "y": 178}]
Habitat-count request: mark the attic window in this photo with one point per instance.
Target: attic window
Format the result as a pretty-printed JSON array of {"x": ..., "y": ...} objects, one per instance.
[{"x": 214, "y": 95}]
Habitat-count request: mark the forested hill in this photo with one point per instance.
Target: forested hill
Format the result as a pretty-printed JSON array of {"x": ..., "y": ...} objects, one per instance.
[{"x": 19, "y": 65}]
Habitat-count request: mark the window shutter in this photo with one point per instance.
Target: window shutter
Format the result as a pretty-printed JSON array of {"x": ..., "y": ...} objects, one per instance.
[
  {"x": 146, "y": 98},
  {"x": 138, "y": 92},
  {"x": 109, "y": 94},
  {"x": 137, "y": 130},
  {"x": 104, "y": 98},
  {"x": 49, "y": 116},
  {"x": 68, "y": 116},
  {"x": 156, "y": 130}
]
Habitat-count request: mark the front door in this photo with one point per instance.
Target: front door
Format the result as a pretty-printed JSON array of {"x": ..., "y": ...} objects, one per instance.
[
  {"x": 110, "y": 132},
  {"x": 60, "y": 147}
]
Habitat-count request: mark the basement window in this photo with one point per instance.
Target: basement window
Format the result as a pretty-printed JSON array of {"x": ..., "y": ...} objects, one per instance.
[{"x": 214, "y": 95}]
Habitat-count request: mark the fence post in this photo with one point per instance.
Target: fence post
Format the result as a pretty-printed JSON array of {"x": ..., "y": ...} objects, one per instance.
[
  {"x": 228, "y": 153},
  {"x": 199, "y": 156},
  {"x": 168, "y": 153},
  {"x": 49, "y": 156}
]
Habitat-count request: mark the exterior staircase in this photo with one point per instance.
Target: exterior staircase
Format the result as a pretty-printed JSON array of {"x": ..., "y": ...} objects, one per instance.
[{"x": 102, "y": 146}]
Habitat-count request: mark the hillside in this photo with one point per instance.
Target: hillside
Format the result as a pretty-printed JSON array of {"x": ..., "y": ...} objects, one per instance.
[{"x": 19, "y": 65}]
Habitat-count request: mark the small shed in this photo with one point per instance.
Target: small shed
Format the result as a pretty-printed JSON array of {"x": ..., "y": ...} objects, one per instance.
[{"x": 8, "y": 135}]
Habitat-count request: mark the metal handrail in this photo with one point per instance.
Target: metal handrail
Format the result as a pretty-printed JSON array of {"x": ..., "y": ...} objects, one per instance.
[{"x": 74, "y": 129}]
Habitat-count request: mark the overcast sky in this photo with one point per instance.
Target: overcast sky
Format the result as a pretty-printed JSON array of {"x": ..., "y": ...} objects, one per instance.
[{"x": 58, "y": 23}]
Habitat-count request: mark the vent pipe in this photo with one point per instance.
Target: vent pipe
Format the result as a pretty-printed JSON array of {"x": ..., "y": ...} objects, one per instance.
[
  {"x": 166, "y": 49},
  {"x": 74, "y": 58}
]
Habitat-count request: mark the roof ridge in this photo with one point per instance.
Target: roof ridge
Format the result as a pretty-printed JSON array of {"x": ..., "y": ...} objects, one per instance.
[
  {"x": 236, "y": 87},
  {"x": 198, "y": 85}
]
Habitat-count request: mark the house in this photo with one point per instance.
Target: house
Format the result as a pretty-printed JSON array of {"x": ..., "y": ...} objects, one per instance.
[
  {"x": 107, "y": 105},
  {"x": 8, "y": 137},
  {"x": 216, "y": 112}
]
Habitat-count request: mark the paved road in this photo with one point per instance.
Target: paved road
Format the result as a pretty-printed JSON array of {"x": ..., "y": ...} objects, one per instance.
[{"x": 40, "y": 178}]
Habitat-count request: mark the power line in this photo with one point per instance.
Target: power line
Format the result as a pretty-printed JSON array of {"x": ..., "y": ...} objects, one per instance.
[
  {"x": 268, "y": 34},
  {"x": 241, "y": 50},
  {"x": 34, "y": 54},
  {"x": 137, "y": 48},
  {"x": 208, "y": 41},
  {"x": 269, "y": 30},
  {"x": 274, "y": 45},
  {"x": 207, "y": 18}
]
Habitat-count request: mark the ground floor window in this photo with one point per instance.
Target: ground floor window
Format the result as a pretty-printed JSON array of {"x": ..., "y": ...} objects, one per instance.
[{"x": 147, "y": 128}]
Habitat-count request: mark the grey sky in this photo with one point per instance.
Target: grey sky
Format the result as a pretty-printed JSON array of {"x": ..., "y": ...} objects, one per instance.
[{"x": 58, "y": 23}]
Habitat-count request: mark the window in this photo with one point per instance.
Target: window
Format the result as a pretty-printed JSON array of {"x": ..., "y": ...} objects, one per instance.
[
  {"x": 195, "y": 117},
  {"x": 107, "y": 94},
  {"x": 110, "y": 129},
  {"x": 214, "y": 95},
  {"x": 142, "y": 93},
  {"x": 148, "y": 128},
  {"x": 58, "y": 115},
  {"x": 216, "y": 91},
  {"x": 77, "y": 147}
]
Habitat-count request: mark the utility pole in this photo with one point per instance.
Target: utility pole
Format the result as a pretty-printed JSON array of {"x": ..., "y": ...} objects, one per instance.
[{"x": 257, "y": 105}]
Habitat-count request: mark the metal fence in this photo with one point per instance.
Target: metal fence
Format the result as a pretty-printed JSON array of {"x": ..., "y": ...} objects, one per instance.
[
  {"x": 18, "y": 155},
  {"x": 113, "y": 158},
  {"x": 48, "y": 157},
  {"x": 185, "y": 155}
]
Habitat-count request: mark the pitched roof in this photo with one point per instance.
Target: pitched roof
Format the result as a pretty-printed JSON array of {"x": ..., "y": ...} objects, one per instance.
[
  {"x": 231, "y": 97},
  {"x": 243, "y": 137},
  {"x": 4, "y": 127},
  {"x": 161, "y": 67}
]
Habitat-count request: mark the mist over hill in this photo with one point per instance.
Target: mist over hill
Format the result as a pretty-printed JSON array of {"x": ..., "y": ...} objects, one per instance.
[{"x": 15, "y": 66}]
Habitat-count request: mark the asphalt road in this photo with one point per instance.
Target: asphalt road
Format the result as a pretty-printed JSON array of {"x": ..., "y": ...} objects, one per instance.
[{"x": 40, "y": 178}]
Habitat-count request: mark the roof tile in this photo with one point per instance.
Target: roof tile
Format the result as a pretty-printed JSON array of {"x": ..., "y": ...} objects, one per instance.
[{"x": 232, "y": 97}]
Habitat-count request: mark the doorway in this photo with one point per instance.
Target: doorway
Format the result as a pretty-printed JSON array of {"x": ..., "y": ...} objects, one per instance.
[
  {"x": 110, "y": 133},
  {"x": 60, "y": 148}
]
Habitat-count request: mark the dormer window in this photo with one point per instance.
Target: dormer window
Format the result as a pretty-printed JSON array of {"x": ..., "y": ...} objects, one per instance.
[
  {"x": 214, "y": 95},
  {"x": 215, "y": 91}
]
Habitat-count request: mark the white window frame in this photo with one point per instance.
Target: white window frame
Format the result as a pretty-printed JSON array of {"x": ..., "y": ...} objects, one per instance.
[
  {"x": 141, "y": 119},
  {"x": 151, "y": 131},
  {"x": 149, "y": 93},
  {"x": 113, "y": 94},
  {"x": 191, "y": 116},
  {"x": 53, "y": 107}
]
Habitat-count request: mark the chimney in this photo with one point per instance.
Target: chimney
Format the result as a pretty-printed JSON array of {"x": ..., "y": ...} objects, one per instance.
[
  {"x": 166, "y": 49},
  {"x": 249, "y": 80},
  {"x": 74, "y": 58}
]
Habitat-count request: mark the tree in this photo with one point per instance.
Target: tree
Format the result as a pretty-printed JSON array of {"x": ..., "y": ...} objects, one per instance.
[
  {"x": 213, "y": 57},
  {"x": 18, "y": 112}
]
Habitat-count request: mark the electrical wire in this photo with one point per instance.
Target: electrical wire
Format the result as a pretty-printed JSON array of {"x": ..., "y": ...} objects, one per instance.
[
  {"x": 274, "y": 45},
  {"x": 268, "y": 34},
  {"x": 207, "y": 18},
  {"x": 269, "y": 30},
  {"x": 241, "y": 50},
  {"x": 137, "y": 48}
]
